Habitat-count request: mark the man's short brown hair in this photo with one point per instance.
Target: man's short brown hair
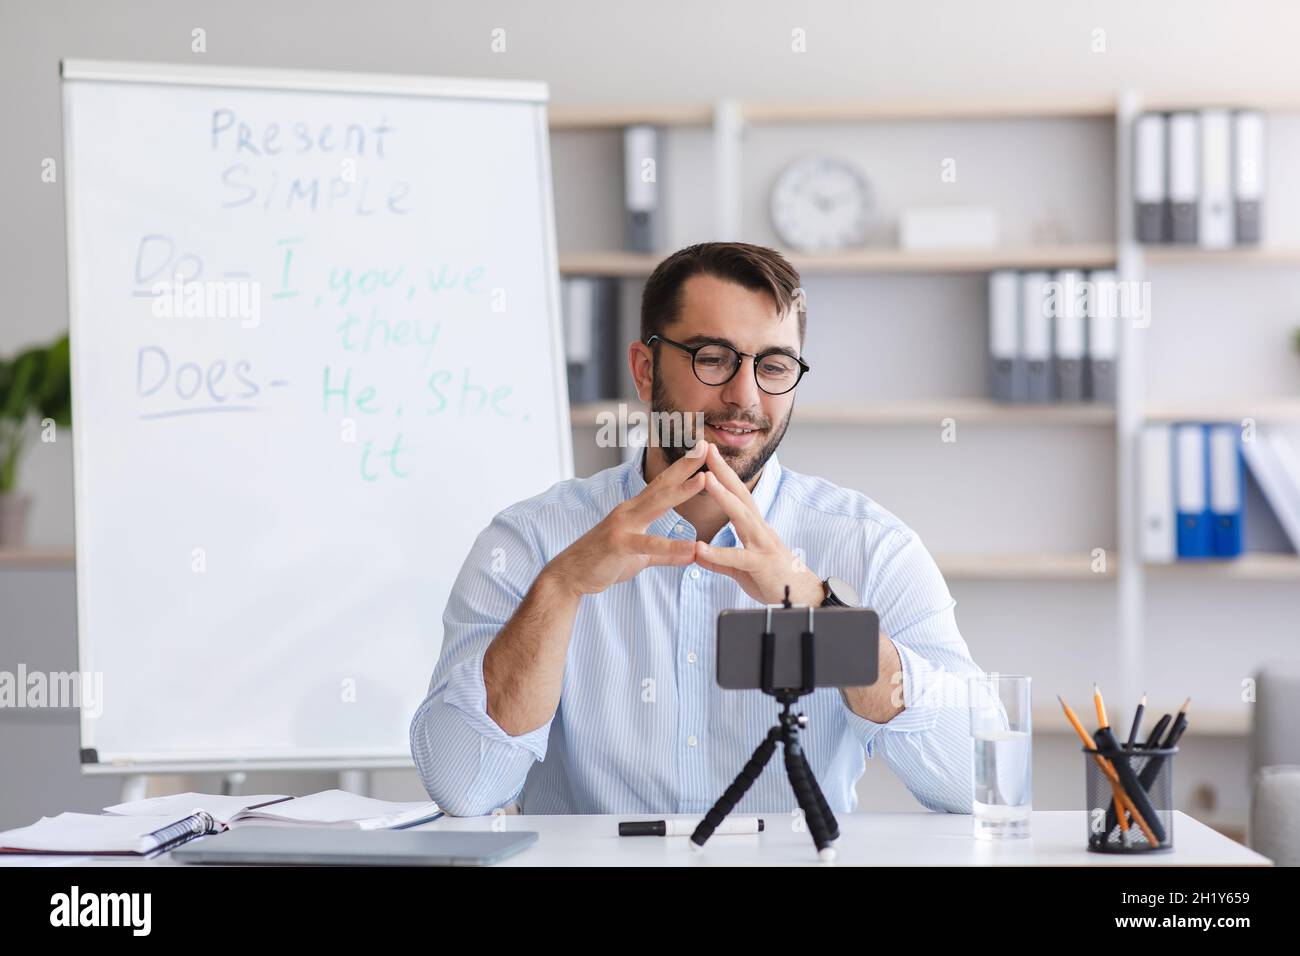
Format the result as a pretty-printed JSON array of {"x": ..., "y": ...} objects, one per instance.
[{"x": 756, "y": 268}]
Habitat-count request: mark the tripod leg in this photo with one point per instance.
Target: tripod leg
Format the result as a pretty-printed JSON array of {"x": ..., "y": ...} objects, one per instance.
[
  {"x": 796, "y": 768},
  {"x": 744, "y": 780},
  {"x": 832, "y": 825}
]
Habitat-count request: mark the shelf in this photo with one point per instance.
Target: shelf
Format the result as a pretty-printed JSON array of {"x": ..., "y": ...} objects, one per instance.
[
  {"x": 621, "y": 264},
  {"x": 616, "y": 116},
  {"x": 1083, "y": 256},
  {"x": 1258, "y": 566},
  {"x": 928, "y": 108},
  {"x": 1275, "y": 410},
  {"x": 1175, "y": 255},
  {"x": 1203, "y": 723},
  {"x": 1046, "y": 566},
  {"x": 965, "y": 411},
  {"x": 1176, "y": 102},
  {"x": 37, "y": 557}
]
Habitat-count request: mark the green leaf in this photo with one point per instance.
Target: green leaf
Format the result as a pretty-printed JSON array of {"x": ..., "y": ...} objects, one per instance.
[{"x": 54, "y": 397}]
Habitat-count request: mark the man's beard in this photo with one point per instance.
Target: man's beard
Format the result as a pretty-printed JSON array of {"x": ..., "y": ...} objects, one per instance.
[{"x": 746, "y": 462}]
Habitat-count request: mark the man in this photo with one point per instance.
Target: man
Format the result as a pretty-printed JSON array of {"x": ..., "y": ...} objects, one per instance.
[{"x": 577, "y": 671}]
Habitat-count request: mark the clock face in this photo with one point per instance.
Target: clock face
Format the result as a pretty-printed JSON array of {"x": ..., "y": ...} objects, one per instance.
[{"x": 821, "y": 204}]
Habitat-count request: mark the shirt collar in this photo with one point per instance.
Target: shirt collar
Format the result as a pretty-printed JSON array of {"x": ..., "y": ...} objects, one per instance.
[{"x": 764, "y": 492}]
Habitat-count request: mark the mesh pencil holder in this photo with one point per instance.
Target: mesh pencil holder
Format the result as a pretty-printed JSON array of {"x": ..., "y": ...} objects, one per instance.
[{"x": 1153, "y": 773}]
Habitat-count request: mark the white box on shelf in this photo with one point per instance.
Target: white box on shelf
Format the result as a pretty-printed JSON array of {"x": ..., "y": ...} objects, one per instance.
[{"x": 947, "y": 227}]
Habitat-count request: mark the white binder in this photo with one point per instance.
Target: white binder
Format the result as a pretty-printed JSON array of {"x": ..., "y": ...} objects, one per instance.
[
  {"x": 1006, "y": 364},
  {"x": 1214, "y": 228},
  {"x": 1155, "y": 475},
  {"x": 1248, "y": 173},
  {"x": 1184, "y": 176}
]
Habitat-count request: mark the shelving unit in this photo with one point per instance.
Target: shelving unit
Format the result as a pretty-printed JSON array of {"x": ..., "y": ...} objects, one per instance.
[{"x": 1125, "y": 579}]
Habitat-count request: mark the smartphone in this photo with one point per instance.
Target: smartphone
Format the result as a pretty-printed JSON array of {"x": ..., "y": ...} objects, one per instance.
[{"x": 846, "y": 647}]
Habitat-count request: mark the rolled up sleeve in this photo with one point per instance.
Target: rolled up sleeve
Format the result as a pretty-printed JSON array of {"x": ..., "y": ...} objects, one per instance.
[
  {"x": 468, "y": 764},
  {"x": 928, "y": 744}
]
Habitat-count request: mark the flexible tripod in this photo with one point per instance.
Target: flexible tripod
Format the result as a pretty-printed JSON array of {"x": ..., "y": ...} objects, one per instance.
[{"x": 817, "y": 812}]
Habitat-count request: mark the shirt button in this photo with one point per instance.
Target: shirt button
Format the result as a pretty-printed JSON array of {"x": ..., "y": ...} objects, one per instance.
[
  {"x": 691, "y": 658},
  {"x": 680, "y": 529},
  {"x": 695, "y": 574},
  {"x": 691, "y": 740}
]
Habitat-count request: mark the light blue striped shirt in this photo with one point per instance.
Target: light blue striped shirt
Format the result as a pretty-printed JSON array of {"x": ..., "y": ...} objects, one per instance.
[{"x": 642, "y": 726}]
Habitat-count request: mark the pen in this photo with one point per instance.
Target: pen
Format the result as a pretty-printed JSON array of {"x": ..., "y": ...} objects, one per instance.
[
  {"x": 1152, "y": 769},
  {"x": 1137, "y": 722},
  {"x": 1133, "y": 789},
  {"x": 686, "y": 827},
  {"x": 1153, "y": 741},
  {"x": 1180, "y": 724}
]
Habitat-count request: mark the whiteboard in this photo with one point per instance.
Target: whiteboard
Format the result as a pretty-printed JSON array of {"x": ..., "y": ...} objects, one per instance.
[{"x": 315, "y": 348}]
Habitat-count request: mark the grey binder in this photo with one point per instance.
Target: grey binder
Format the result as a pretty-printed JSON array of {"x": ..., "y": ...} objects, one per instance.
[
  {"x": 642, "y": 190},
  {"x": 1103, "y": 336},
  {"x": 591, "y": 339},
  {"x": 1150, "y": 190},
  {"x": 1036, "y": 328},
  {"x": 1069, "y": 336}
]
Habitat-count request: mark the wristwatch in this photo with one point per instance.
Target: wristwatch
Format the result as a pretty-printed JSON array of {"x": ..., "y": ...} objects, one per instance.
[{"x": 840, "y": 593}]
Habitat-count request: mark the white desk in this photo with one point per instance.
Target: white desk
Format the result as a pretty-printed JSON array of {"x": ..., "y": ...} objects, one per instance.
[
  {"x": 1059, "y": 838},
  {"x": 866, "y": 839}
]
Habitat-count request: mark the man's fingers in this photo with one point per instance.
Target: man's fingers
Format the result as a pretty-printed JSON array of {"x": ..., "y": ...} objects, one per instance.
[
  {"x": 673, "y": 485},
  {"x": 661, "y": 550},
  {"x": 744, "y": 519},
  {"x": 730, "y": 480},
  {"x": 685, "y": 466},
  {"x": 737, "y": 559},
  {"x": 718, "y": 568},
  {"x": 653, "y": 502}
]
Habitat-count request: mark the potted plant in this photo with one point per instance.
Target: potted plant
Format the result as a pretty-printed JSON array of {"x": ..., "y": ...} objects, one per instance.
[{"x": 35, "y": 386}]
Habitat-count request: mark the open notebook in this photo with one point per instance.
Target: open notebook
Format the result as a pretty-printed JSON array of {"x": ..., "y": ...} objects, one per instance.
[{"x": 147, "y": 827}]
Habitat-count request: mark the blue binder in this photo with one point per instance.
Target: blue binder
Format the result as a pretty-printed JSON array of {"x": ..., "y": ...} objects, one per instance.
[
  {"x": 1227, "y": 489},
  {"x": 1192, "y": 491}
]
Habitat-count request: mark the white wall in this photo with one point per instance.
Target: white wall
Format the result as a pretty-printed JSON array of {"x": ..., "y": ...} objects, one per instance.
[
  {"x": 686, "y": 50},
  {"x": 592, "y": 51}
]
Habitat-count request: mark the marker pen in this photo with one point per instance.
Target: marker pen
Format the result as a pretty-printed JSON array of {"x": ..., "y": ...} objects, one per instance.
[{"x": 686, "y": 828}]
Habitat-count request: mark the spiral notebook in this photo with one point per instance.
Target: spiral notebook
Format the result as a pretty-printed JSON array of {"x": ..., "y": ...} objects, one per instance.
[
  {"x": 107, "y": 835},
  {"x": 155, "y": 825}
]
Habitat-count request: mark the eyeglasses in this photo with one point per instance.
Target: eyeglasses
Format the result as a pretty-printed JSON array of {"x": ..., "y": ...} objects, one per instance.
[{"x": 775, "y": 372}]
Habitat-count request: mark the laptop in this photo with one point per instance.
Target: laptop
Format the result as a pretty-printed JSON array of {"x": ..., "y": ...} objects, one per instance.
[{"x": 320, "y": 846}]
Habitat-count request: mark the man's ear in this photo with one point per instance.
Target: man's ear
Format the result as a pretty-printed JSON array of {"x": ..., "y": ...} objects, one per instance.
[{"x": 640, "y": 360}]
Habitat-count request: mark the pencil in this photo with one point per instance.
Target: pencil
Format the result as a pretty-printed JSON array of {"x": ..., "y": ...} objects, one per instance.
[
  {"x": 1116, "y": 791},
  {"x": 1116, "y": 788},
  {"x": 1101, "y": 707}
]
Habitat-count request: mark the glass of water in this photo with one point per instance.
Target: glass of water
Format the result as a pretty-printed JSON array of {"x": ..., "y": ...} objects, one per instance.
[{"x": 1000, "y": 724}]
